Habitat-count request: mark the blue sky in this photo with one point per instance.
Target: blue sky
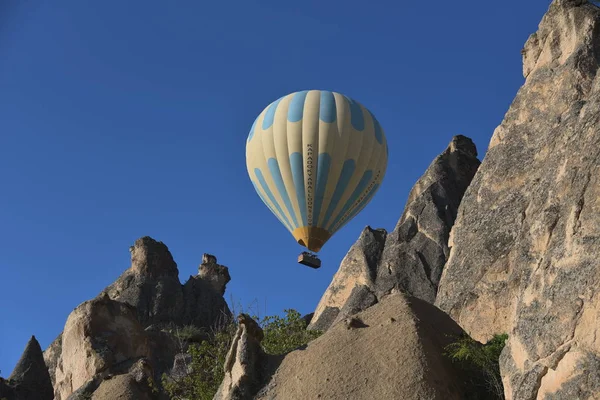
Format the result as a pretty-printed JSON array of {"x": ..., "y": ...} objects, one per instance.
[{"x": 125, "y": 119}]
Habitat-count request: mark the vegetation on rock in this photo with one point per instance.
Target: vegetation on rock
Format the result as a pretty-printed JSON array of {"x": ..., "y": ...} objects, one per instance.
[
  {"x": 480, "y": 358},
  {"x": 281, "y": 335}
]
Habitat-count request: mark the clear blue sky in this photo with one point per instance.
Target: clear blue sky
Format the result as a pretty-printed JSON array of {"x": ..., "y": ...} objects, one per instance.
[{"x": 124, "y": 119}]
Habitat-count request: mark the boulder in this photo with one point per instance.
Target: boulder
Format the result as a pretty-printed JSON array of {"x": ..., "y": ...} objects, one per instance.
[
  {"x": 393, "y": 350},
  {"x": 100, "y": 336}
]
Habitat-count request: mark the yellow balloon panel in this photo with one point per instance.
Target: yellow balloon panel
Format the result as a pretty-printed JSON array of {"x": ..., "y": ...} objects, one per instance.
[{"x": 316, "y": 158}]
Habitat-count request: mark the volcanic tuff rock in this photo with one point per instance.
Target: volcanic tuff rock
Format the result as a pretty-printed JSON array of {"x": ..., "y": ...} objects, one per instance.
[
  {"x": 416, "y": 251},
  {"x": 216, "y": 274},
  {"x": 152, "y": 285},
  {"x": 52, "y": 356},
  {"x": 245, "y": 363},
  {"x": 99, "y": 335},
  {"x": 30, "y": 379},
  {"x": 132, "y": 325},
  {"x": 410, "y": 258},
  {"x": 394, "y": 351},
  {"x": 354, "y": 283},
  {"x": 525, "y": 245}
]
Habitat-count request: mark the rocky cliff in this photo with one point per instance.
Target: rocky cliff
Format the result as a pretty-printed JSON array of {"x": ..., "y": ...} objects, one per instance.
[
  {"x": 509, "y": 245},
  {"x": 412, "y": 257},
  {"x": 525, "y": 245},
  {"x": 123, "y": 340}
]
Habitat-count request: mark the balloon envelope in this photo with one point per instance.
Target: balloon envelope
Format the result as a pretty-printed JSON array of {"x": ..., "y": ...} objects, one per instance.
[{"x": 316, "y": 158}]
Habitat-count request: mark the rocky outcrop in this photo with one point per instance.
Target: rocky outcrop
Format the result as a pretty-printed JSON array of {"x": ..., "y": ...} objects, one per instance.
[
  {"x": 245, "y": 362},
  {"x": 99, "y": 336},
  {"x": 134, "y": 322},
  {"x": 216, "y": 274},
  {"x": 152, "y": 286},
  {"x": 352, "y": 287},
  {"x": 416, "y": 251},
  {"x": 393, "y": 350},
  {"x": 30, "y": 379},
  {"x": 412, "y": 257},
  {"x": 524, "y": 256}
]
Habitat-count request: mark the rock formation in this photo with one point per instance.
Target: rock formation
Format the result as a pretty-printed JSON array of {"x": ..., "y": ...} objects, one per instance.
[
  {"x": 52, "y": 357},
  {"x": 30, "y": 379},
  {"x": 216, "y": 274},
  {"x": 354, "y": 283},
  {"x": 152, "y": 286},
  {"x": 525, "y": 245},
  {"x": 410, "y": 258},
  {"x": 245, "y": 363},
  {"x": 99, "y": 335},
  {"x": 123, "y": 340},
  {"x": 393, "y": 350},
  {"x": 416, "y": 251}
]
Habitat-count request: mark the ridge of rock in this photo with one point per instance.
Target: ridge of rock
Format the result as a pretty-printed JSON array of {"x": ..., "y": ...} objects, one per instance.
[
  {"x": 524, "y": 257},
  {"x": 411, "y": 258}
]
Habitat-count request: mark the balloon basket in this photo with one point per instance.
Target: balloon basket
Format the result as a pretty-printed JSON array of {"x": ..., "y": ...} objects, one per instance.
[{"x": 309, "y": 259}]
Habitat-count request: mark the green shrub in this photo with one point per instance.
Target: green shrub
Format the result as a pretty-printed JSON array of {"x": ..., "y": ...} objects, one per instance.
[
  {"x": 481, "y": 358},
  {"x": 281, "y": 335},
  {"x": 190, "y": 333}
]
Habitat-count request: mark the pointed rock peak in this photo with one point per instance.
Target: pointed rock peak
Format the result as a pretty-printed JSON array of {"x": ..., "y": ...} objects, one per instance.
[
  {"x": 31, "y": 371},
  {"x": 568, "y": 32},
  {"x": 32, "y": 356},
  {"x": 369, "y": 233},
  {"x": 208, "y": 259},
  {"x": 463, "y": 144},
  {"x": 150, "y": 257}
]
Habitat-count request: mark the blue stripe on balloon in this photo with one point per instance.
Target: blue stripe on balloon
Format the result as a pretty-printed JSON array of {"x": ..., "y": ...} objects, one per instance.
[
  {"x": 277, "y": 178},
  {"x": 342, "y": 184},
  {"x": 323, "y": 166},
  {"x": 270, "y": 114},
  {"x": 284, "y": 222},
  {"x": 356, "y": 115},
  {"x": 378, "y": 130},
  {"x": 296, "y": 162},
  {"x": 327, "y": 110},
  {"x": 251, "y": 134},
  {"x": 358, "y": 208},
  {"x": 296, "y": 107},
  {"x": 362, "y": 185},
  {"x": 265, "y": 187}
]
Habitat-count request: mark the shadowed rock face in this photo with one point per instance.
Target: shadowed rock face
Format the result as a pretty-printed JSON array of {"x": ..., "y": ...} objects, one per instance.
[
  {"x": 412, "y": 257},
  {"x": 30, "y": 379},
  {"x": 416, "y": 251},
  {"x": 152, "y": 286},
  {"x": 524, "y": 256},
  {"x": 353, "y": 285}
]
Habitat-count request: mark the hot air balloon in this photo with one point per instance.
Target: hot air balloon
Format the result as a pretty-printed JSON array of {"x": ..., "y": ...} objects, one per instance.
[{"x": 316, "y": 158}]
